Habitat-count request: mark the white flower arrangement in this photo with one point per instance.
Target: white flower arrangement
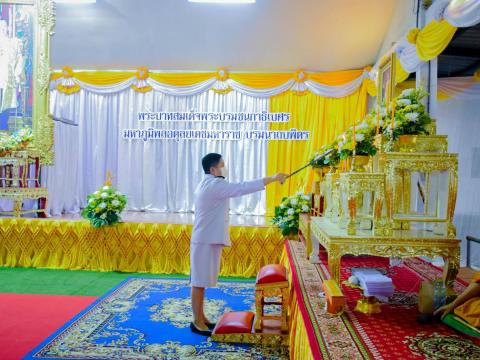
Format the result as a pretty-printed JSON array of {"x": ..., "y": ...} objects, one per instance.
[
  {"x": 104, "y": 207},
  {"x": 287, "y": 214},
  {"x": 359, "y": 137},
  {"x": 404, "y": 102},
  {"x": 407, "y": 92},
  {"x": 412, "y": 116}
]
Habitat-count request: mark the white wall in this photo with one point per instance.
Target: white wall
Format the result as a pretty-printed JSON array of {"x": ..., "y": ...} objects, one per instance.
[{"x": 460, "y": 120}]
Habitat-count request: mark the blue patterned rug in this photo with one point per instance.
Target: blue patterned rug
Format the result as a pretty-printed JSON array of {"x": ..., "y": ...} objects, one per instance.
[{"x": 149, "y": 319}]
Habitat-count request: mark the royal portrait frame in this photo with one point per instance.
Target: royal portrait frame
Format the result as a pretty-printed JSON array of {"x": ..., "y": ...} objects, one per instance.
[
  {"x": 386, "y": 79},
  {"x": 43, "y": 20}
]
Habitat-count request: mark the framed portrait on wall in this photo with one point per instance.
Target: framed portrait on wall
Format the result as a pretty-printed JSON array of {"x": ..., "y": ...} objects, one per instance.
[
  {"x": 16, "y": 65},
  {"x": 25, "y": 30},
  {"x": 386, "y": 79}
]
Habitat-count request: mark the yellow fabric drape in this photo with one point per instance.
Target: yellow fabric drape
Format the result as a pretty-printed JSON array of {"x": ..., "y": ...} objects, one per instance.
[
  {"x": 400, "y": 74},
  {"x": 128, "y": 247},
  {"x": 371, "y": 87},
  {"x": 335, "y": 78},
  {"x": 298, "y": 337},
  {"x": 261, "y": 80},
  {"x": 181, "y": 79},
  {"x": 404, "y": 85},
  {"x": 325, "y": 118},
  {"x": 434, "y": 38},
  {"x": 106, "y": 78},
  {"x": 253, "y": 80},
  {"x": 100, "y": 78}
]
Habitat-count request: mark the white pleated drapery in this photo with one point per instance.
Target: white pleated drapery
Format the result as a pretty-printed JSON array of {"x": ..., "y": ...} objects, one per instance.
[
  {"x": 460, "y": 88},
  {"x": 459, "y": 13},
  {"x": 156, "y": 175}
]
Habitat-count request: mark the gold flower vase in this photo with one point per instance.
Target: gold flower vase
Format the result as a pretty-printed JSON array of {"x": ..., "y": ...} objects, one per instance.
[
  {"x": 320, "y": 172},
  {"x": 421, "y": 143},
  {"x": 359, "y": 163}
]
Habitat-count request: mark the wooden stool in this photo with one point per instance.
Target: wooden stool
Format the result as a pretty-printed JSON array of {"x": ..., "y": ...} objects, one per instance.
[
  {"x": 334, "y": 298},
  {"x": 272, "y": 280}
]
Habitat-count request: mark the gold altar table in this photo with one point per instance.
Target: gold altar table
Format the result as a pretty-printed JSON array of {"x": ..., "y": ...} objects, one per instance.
[{"x": 402, "y": 243}]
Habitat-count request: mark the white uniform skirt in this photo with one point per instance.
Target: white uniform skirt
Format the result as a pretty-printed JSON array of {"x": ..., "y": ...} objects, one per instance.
[{"x": 205, "y": 264}]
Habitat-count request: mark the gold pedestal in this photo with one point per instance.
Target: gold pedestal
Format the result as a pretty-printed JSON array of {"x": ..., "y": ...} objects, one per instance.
[
  {"x": 353, "y": 187},
  {"x": 368, "y": 305},
  {"x": 399, "y": 167}
]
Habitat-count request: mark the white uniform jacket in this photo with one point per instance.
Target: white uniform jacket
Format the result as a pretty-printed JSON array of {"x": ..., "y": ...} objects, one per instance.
[{"x": 211, "y": 225}]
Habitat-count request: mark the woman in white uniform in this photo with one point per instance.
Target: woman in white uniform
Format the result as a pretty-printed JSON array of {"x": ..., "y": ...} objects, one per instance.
[{"x": 211, "y": 230}]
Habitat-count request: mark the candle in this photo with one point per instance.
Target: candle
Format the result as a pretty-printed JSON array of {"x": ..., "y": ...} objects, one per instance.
[
  {"x": 378, "y": 119},
  {"x": 393, "y": 115},
  {"x": 354, "y": 138}
]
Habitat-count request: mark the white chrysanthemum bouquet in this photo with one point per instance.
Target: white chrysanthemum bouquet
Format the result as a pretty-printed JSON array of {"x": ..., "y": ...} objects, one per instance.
[
  {"x": 287, "y": 214},
  {"x": 411, "y": 117},
  {"x": 104, "y": 206}
]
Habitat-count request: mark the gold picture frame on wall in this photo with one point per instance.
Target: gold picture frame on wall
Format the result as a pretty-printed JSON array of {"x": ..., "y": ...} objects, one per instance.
[
  {"x": 386, "y": 79},
  {"x": 25, "y": 30}
]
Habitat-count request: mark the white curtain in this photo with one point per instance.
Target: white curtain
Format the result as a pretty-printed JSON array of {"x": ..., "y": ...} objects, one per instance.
[
  {"x": 158, "y": 175},
  {"x": 460, "y": 120},
  {"x": 461, "y": 88},
  {"x": 463, "y": 13}
]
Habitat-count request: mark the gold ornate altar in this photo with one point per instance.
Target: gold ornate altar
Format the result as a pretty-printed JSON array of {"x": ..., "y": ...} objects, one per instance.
[
  {"x": 402, "y": 243},
  {"x": 402, "y": 206}
]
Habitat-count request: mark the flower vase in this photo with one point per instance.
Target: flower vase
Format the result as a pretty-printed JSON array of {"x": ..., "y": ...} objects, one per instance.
[
  {"x": 361, "y": 163},
  {"x": 421, "y": 143},
  {"x": 320, "y": 173},
  {"x": 292, "y": 237}
]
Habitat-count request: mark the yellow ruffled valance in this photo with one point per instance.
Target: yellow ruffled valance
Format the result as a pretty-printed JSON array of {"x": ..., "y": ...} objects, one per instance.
[{"x": 331, "y": 84}]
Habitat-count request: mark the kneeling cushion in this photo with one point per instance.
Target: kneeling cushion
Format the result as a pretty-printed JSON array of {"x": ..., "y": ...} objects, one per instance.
[
  {"x": 271, "y": 274},
  {"x": 235, "y": 322}
]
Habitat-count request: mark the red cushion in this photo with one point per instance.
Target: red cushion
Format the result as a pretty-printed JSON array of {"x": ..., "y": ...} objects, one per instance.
[
  {"x": 235, "y": 322},
  {"x": 271, "y": 274}
]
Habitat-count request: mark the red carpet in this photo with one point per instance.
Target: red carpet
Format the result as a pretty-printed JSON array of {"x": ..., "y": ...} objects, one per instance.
[
  {"x": 26, "y": 320},
  {"x": 394, "y": 333}
]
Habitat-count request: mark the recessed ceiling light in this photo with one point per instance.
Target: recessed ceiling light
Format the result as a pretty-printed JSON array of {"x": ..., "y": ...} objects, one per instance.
[{"x": 224, "y": 1}]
